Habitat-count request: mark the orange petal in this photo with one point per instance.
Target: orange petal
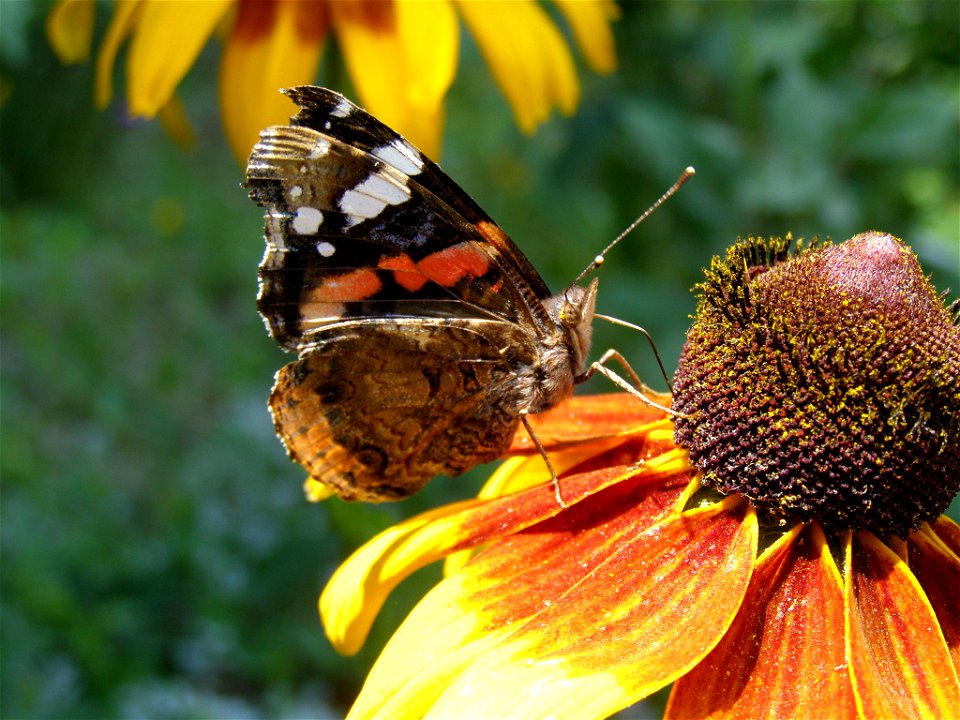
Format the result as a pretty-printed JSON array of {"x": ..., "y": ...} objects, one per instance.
[
  {"x": 949, "y": 533},
  {"x": 271, "y": 46},
  {"x": 124, "y": 19},
  {"x": 357, "y": 590},
  {"x": 784, "y": 654},
  {"x": 899, "y": 661},
  {"x": 167, "y": 40},
  {"x": 937, "y": 569},
  {"x": 69, "y": 29},
  {"x": 576, "y": 617},
  {"x": 590, "y": 23},
  {"x": 402, "y": 59},
  {"x": 585, "y": 418},
  {"x": 528, "y": 57}
]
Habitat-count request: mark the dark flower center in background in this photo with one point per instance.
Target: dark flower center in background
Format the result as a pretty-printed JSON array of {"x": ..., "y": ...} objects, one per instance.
[{"x": 823, "y": 383}]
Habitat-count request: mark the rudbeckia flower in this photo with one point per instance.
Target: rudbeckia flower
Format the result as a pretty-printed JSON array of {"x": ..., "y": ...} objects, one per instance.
[
  {"x": 401, "y": 55},
  {"x": 776, "y": 549}
]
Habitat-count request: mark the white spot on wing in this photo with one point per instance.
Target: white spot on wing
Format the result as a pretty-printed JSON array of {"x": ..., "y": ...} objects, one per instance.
[
  {"x": 343, "y": 108},
  {"x": 307, "y": 221},
  {"x": 370, "y": 197},
  {"x": 326, "y": 249},
  {"x": 320, "y": 148},
  {"x": 401, "y": 155},
  {"x": 295, "y": 192}
]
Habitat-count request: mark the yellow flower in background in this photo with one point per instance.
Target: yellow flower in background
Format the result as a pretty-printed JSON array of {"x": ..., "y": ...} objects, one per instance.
[
  {"x": 823, "y": 586},
  {"x": 401, "y": 55}
]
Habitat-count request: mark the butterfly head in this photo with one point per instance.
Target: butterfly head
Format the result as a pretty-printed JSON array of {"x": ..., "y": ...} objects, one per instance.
[{"x": 573, "y": 312}]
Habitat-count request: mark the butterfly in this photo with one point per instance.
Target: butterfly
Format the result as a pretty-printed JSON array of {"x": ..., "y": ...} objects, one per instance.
[{"x": 423, "y": 334}]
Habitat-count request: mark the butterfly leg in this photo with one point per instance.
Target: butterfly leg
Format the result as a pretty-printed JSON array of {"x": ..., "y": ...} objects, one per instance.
[
  {"x": 637, "y": 388},
  {"x": 546, "y": 459}
]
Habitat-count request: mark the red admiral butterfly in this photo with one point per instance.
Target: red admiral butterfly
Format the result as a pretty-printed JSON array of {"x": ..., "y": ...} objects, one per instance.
[{"x": 424, "y": 335}]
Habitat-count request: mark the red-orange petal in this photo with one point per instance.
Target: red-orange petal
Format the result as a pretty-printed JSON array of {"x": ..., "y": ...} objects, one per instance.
[
  {"x": 899, "y": 662},
  {"x": 583, "y": 418},
  {"x": 575, "y": 617},
  {"x": 784, "y": 654},
  {"x": 937, "y": 568}
]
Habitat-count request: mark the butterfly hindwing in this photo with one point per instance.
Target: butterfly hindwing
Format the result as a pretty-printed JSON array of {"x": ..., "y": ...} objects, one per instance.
[{"x": 377, "y": 411}]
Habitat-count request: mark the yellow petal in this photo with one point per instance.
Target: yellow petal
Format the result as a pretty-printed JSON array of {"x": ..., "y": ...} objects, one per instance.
[
  {"x": 357, "y": 590},
  {"x": 784, "y": 654},
  {"x": 431, "y": 65},
  {"x": 175, "y": 123},
  {"x": 402, "y": 59},
  {"x": 271, "y": 46},
  {"x": 124, "y": 18},
  {"x": 167, "y": 40},
  {"x": 316, "y": 491},
  {"x": 576, "y": 618},
  {"x": 590, "y": 22},
  {"x": 70, "y": 30},
  {"x": 528, "y": 56},
  {"x": 899, "y": 661}
]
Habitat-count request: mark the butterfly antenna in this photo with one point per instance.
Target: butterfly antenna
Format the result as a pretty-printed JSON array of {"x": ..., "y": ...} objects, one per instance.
[{"x": 688, "y": 173}]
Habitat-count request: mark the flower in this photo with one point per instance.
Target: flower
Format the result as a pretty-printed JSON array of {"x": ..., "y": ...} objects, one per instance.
[
  {"x": 831, "y": 593},
  {"x": 401, "y": 55}
]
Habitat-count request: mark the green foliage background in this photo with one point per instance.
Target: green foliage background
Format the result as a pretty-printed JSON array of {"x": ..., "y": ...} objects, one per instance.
[{"x": 158, "y": 556}]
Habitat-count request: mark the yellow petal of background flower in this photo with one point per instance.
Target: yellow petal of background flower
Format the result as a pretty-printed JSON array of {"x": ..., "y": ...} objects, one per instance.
[
  {"x": 430, "y": 39},
  {"x": 402, "y": 59},
  {"x": 898, "y": 659},
  {"x": 577, "y": 616},
  {"x": 167, "y": 40},
  {"x": 124, "y": 18},
  {"x": 937, "y": 568},
  {"x": 173, "y": 118},
  {"x": 590, "y": 21},
  {"x": 528, "y": 57},
  {"x": 272, "y": 46},
  {"x": 784, "y": 654},
  {"x": 69, "y": 29}
]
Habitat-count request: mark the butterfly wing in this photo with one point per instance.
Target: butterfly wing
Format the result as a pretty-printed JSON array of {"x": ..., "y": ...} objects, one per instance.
[
  {"x": 418, "y": 322},
  {"x": 374, "y": 229},
  {"x": 376, "y": 410}
]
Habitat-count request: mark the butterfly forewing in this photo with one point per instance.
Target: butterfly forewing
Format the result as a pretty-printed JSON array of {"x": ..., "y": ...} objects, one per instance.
[{"x": 347, "y": 233}]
